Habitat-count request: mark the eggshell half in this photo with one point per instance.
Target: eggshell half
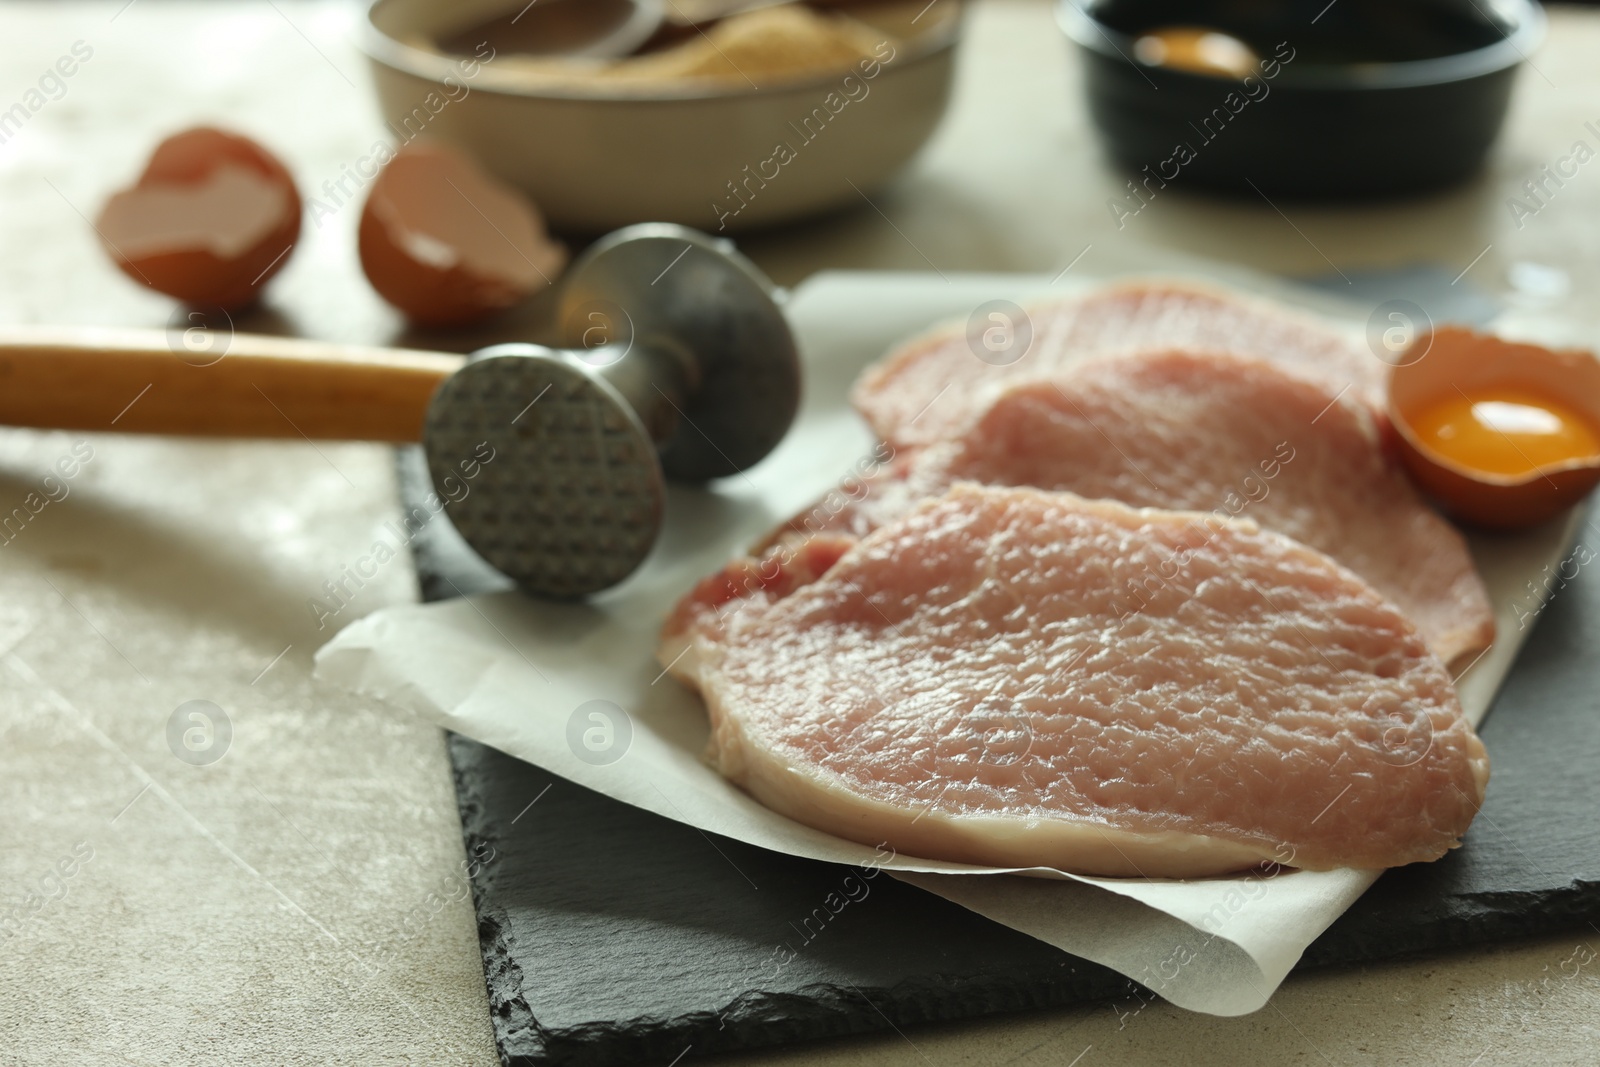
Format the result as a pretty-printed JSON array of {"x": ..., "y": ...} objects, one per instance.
[
  {"x": 1460, "y": 359},
  {"x": 447, "y": 244},
  {"x": 211, "y": 219}
]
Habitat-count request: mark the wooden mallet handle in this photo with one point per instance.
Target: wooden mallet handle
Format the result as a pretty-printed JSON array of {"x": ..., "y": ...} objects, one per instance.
[{"x": 136, "y": 381}]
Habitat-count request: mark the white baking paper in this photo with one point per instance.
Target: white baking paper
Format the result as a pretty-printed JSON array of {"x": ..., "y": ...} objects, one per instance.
[{"x": 512, "y": 672}]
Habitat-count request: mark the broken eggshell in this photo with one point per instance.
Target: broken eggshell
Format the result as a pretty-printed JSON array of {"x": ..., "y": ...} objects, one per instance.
[
  {"x": 447, "y": 244},
  {"x": 1454, "y": 362},
  {"x": 213, "y": 216}
]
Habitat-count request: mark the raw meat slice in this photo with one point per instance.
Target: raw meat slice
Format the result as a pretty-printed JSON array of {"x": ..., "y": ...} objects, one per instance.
[
  {"x": 1233, "y": 436},
  {"x": 1021, "y": 678},
  {"x": 1222, "y": 434},
  {"x": 932, "y": 387},
  {"x": 772, "y": 575}
]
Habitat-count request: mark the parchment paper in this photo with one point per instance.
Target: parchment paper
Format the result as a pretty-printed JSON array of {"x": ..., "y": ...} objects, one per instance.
[{"x": 513, "y": 673}]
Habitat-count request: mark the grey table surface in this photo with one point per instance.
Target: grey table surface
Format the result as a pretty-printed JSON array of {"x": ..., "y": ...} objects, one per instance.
[{"x": 300, "y": 899}]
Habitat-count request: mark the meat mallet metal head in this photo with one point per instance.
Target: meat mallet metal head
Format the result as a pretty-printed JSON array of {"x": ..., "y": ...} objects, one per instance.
[
  {"x": 672, "y": 360},
  {"x": 676, "y": 363}
]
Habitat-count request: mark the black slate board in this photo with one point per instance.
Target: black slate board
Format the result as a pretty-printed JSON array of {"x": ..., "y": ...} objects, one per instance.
[{"x": 613, "y": 936}]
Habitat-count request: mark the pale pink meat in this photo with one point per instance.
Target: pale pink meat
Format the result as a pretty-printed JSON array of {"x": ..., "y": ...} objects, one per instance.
[
  {"x": 932, "y": 387},
  {"x": 1233, "y": 436},
  {"x": 1202, "y": 432},
  {"x": 1023, "y": 678}
]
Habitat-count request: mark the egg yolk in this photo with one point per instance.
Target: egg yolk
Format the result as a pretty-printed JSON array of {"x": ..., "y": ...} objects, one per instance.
[
  {"x": 1196, "y": 50},
  {"x": 1505, "y": 431}
]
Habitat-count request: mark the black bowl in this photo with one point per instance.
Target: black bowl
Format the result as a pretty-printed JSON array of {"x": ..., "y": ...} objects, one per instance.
[{"x": 1354, "y": 98}]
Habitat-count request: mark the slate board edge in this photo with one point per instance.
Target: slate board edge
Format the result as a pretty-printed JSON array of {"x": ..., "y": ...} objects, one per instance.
[
  {"x": 752, "y": 1020},
  {"x": 1363, "y": 935}
]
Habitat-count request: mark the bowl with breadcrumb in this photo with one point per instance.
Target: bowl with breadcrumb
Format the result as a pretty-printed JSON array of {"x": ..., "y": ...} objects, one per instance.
[{"x": 765, "y": 116}]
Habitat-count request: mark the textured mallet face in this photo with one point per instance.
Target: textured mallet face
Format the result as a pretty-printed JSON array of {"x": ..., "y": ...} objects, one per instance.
[{"x": 568, "y": 493}]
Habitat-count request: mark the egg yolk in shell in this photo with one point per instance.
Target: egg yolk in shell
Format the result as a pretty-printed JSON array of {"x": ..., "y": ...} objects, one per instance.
[
  {"x": 1196, "y": 50},
  {"x": 1505, "y": 430}
]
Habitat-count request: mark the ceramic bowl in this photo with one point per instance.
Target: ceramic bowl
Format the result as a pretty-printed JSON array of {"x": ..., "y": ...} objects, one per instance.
[
  {"x": 596, "y": 159},
  {"x": 1458, "y": 359},
  {"x": 1368, "y": 98}
]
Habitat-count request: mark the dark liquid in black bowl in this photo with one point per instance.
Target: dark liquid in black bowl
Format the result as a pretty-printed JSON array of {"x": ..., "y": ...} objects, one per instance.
[{"x": 1347, "y": 31}]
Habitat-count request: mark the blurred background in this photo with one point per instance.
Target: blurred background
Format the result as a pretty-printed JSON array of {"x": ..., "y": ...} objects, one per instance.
[
  {"x": 1017, "y": 172},
  {"x": 303, "y": 899}
]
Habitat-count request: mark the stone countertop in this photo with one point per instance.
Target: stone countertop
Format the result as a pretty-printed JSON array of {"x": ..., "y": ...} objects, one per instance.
[{"x": 300, "y": 897}]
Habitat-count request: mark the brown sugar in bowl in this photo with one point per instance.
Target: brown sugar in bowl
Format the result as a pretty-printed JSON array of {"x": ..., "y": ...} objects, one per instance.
[{"x": 597, "y": 153}]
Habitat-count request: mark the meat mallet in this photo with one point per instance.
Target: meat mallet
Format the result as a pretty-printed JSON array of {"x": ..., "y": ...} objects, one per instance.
[{"x": 675, "y": 362}]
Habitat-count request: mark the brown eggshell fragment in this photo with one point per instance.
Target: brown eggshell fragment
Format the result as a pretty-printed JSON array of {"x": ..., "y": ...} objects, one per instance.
[
  {"x": 447, "y": 244},
  {"x": 1457, "y": 361},
  {"x": 213, "y": 216}
]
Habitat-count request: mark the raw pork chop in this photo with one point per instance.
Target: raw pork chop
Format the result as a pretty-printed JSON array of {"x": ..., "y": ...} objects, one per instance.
[
  {"x": 975, "y": 683},
  {"x": 1221, "y": 434},
  {"x": 932, "y": 387}
]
